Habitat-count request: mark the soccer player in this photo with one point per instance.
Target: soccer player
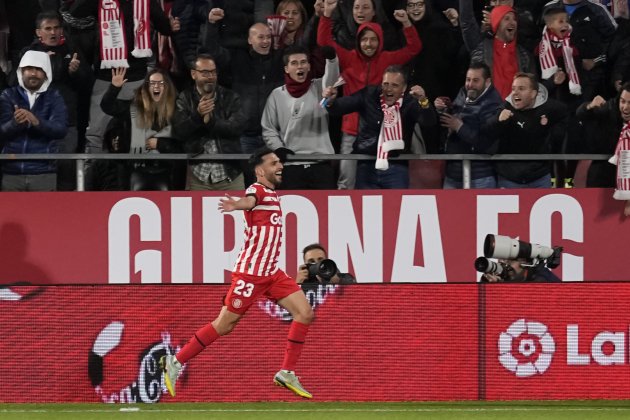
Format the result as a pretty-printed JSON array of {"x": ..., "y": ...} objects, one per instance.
[{"x": 255, "y": 274}]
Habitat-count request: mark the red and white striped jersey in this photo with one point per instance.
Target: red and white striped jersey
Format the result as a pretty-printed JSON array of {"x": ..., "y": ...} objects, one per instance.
[{"x": 263, "y": 233}]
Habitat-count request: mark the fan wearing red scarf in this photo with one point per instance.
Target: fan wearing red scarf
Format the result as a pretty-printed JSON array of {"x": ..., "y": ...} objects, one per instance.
[{"x": 294, "y": 123}]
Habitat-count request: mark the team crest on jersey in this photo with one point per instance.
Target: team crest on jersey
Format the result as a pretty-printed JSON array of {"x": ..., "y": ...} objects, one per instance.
[{"x": 237, "y": 303}]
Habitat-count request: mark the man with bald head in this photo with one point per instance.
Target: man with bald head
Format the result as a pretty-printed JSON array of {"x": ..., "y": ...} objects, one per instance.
[{"x": 255, "y": 73}]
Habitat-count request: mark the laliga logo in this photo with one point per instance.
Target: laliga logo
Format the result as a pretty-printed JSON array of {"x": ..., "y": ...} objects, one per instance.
[{"x": 526, "y": 348}]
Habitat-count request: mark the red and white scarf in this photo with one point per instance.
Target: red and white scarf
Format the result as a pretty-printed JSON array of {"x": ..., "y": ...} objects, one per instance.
[
  {"x": 548, "y": 62},
  {"x": 621, "y": 158},
  {"x": 112, "y": 33},
  {"x": 391, "y": 135}
]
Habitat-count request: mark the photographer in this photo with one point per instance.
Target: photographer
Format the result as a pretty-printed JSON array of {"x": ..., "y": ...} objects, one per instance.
[
  {"x": 517, "y": 261},
  {"x": 312, "y": 271},
  {"x": 519, "y": 271}
]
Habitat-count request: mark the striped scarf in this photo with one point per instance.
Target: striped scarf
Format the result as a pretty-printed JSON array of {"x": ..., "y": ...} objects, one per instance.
[
  {"x": 548, "y": 62},
  {"x": 112, "y": 33},
  {"x": 621, "y": 158},
  {"x": 391, "y": 135}
]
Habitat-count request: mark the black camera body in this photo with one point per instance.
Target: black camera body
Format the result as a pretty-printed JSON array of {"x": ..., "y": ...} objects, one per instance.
[{"x": 325, "y": 269}]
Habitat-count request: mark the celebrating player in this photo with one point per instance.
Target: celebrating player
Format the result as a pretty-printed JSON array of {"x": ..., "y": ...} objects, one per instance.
[{"x": 255, "y": 274}]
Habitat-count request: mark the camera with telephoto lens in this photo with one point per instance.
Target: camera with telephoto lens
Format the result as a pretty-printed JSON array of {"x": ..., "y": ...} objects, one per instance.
[
  {"x": 506, "y": 248},
  {"x": 500, "y": 269},
  {"x": 325, "y": 269}
]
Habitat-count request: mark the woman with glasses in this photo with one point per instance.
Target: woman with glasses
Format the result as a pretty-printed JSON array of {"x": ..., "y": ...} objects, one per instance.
[{"x": 149, "y": 114}]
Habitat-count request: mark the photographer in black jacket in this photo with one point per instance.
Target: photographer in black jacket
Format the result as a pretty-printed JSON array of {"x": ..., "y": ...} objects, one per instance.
[
  {"x": 520, "y": 271},
  {"x": 313, "y": 272}
]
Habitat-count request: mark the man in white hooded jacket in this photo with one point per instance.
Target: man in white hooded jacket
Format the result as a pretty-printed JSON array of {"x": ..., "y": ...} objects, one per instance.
[{"x": 33, "y": 118}]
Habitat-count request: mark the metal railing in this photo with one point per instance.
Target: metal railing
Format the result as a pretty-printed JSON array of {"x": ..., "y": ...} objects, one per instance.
[{"x": 466, "y": 159}]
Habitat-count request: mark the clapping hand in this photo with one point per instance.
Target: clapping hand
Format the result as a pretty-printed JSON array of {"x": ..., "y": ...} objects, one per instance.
[{"x": 24, "y": 116}]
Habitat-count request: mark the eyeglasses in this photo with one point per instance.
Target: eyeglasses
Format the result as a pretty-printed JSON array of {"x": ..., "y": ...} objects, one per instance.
[
  {"x": 207, "y": 73},
  {"x": 418, "y": 5},
  {"x": 155, "y": 82}
]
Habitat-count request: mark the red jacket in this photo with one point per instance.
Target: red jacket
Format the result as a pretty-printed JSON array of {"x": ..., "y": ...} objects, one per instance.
[{"x": 359, "y": 70}]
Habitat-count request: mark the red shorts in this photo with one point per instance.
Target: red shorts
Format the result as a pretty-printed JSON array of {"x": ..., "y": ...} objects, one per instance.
[{"x": 246, "y": 289}]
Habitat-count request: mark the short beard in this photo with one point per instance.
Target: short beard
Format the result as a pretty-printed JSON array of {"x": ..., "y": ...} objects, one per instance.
[{"x": 472, "y": 94}]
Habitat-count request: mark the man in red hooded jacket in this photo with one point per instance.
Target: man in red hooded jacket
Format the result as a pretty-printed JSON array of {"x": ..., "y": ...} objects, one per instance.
[
  {"x": 361, "y": 67},
  {"x": 502, "y": 53}
]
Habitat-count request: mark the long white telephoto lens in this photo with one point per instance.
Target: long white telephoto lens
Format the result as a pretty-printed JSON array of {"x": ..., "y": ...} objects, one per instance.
[
  {"x": 504, "y": 247},
  {"x": 499, "y": 246}
]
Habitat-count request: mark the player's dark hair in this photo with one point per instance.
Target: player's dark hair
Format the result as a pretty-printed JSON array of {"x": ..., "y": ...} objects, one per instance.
[
  {"x": 257, "y": 158},
  {"x": 625, "y": 87}
]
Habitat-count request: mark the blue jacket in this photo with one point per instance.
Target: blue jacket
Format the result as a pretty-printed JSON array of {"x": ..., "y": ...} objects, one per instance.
[
  {"x": 50, "y": 109},
  {"x": 475, "y": 136}
]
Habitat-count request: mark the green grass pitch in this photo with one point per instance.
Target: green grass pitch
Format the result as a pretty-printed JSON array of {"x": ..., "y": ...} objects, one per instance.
[{"x": 530, "y": 410}]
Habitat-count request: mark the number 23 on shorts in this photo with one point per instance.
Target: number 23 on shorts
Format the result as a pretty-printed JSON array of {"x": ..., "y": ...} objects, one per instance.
[{"x": 243, "y": 289}]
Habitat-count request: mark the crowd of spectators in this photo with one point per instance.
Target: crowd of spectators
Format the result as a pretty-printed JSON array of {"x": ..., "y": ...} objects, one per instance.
[{"x": 308, "y": 77}]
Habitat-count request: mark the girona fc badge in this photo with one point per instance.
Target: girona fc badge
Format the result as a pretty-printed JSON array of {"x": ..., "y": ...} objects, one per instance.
[{"x": 389, "y": 118}]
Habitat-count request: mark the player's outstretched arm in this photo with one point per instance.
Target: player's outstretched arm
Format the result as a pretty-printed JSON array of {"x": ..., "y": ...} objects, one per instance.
[{"x": 228, "y": 203}]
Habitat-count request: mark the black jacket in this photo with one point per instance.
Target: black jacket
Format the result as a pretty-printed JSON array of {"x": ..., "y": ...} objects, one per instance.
[
  {"x": 226, "y": 125},
  {"x": 239, "y": 16},
  {"x": 475, "y": 135},
  {"x": 251, "y": 75},
  {"x": 530, "y": 131},
  {"x": 367, "y": 103}
]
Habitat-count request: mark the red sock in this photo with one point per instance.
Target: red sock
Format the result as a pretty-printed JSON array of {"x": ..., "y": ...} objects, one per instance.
[
  {"x": 202, "y": 339},
  {"x": 295, "y": 342}
]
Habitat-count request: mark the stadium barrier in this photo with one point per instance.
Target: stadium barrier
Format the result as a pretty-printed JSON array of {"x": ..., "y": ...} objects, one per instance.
[
  {"x": 429, "y": 342},
  {"x": 82, "y": 158}
]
